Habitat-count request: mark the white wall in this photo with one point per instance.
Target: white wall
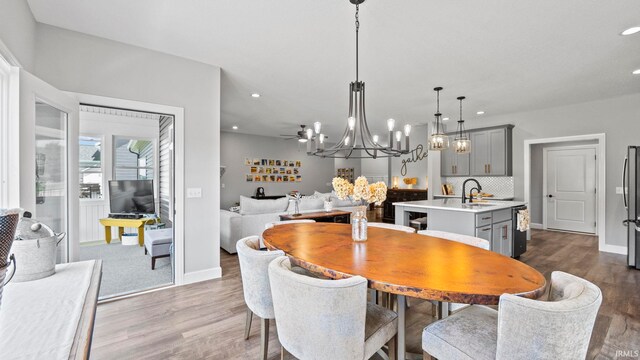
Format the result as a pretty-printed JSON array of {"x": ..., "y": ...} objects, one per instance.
[
  {"x": 18, "y": 31},
  {"x": 82, "y": 63},
  {"x": 316, "y": 172},
  {"x": 618, "y": 118}
]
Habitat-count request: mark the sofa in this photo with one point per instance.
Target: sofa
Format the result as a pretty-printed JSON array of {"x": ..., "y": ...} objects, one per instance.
[{"x": 255, "y": 214}]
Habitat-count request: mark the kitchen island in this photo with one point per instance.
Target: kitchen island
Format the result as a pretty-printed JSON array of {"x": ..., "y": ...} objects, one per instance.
[{"x": 492, "y": 220}]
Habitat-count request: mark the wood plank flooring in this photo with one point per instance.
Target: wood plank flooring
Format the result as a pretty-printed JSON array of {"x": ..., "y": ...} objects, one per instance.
[{"x": 206, "y": 320}]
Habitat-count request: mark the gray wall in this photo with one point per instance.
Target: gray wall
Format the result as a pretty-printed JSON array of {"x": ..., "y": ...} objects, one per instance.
[
  {"x": 356, "y": 164},
  {"x": 316, "y": 172},
  {"x": 537, "y": 178},
  {"x": 618, "y": 118},
  {"x": 82, "y": 63},
  {"x": 18, "y": 31},
  {"x": 418, "y": 169}
]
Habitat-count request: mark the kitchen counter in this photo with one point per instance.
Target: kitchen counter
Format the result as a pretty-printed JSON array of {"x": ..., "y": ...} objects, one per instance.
[
  {"x": 457, "y": 205},
  {"x": 492, "y": 198},
  {"x": 493, "y": 221}
]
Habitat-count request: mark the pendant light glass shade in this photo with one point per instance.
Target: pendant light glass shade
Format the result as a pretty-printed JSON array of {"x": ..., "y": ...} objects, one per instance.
[
  {"x": 461, "y": 143},
  {"x": 438, "y": 140}
]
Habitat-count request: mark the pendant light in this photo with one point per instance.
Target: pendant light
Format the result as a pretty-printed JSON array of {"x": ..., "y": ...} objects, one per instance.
[
  {"x": 439, "y": 140},
  {"x": 461, "y": 143}
]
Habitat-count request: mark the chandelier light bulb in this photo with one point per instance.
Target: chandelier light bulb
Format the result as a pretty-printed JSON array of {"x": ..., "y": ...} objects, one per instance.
[
  {"x": 407, "y": 130},
  {"x": 398, "y": 135},
  {"x": 375, "y": 139},
  {"x": 317, "y": 126},
  {"x": 391, "y": 123},
  {"x": 321, "y": 136},
  {"x": 346, "y": 141},
  {"x": 309, "y": 134},
  {"x": 352, "y": 122}
]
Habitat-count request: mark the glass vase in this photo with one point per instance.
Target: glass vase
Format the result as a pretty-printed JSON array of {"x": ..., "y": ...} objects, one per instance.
[{"x": 359, "y": 223}]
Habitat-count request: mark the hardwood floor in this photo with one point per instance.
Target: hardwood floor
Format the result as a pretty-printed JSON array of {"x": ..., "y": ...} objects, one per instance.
[{"x": 206, "y": 320}]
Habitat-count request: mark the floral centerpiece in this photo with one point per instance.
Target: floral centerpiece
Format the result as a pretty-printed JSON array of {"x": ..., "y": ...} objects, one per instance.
[{"x": 364, "y": 194}]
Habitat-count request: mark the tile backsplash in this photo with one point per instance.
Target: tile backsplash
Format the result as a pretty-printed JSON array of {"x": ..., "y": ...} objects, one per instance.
[{"x": 499, "y": 186}]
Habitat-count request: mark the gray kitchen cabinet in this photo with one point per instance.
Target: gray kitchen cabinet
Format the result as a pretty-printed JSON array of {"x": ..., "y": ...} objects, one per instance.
[
  {"x": 491, "y": 151},
  {"x": 484, "y": 232},
  {"x": 501, "y": 238},
  {"x": 479, "y": 153},
  {"x": 452, "y": 164}
]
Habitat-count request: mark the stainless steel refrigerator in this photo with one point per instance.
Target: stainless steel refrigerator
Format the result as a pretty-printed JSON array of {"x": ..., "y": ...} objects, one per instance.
[{"x": 631, "y": 194}]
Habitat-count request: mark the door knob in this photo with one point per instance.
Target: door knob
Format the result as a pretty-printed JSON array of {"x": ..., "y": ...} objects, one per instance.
[{"x": 549, "y": 196}]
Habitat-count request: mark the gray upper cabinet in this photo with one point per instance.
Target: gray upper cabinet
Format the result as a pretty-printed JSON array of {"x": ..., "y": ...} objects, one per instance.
[
  {"x": 479, "y": 153},
  {"x": 453, "y": 164},
  {"x": 490, "y": 154},
  {"x": 491, "y": 151}
]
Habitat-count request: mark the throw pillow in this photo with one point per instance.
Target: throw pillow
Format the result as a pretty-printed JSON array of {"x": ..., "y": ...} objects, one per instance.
[{"x": 249, "y": 206}]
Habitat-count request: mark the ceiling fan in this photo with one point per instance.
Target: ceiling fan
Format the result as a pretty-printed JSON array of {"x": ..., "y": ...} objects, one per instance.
[{"x": 301, "y": 135}]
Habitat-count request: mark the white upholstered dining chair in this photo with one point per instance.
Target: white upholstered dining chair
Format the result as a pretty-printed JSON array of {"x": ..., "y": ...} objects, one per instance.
[
  {"x": 392, "y": 227},
  {"x": 521, "y": 328},
  {"x": 328, "y": 319},
  {"x": 254, "y": 265},
  {"x": 464, "y": 239},
  {"x": 277, "y": 223}
]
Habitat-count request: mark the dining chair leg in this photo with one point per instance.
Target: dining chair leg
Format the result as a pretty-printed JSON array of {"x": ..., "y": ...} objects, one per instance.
[
  {"x": 426, "y": 356},
  {"x": 264, "y": 338},
  {"x": 247, "y": 324},
  {"x": 392, "y": 346},
  {"x": 283, "y": 352},
  {"x": 401, "y": 327}
]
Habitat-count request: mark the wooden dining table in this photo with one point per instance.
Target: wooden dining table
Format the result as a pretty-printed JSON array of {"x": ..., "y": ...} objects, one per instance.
[{"x": 407, "y": 264}]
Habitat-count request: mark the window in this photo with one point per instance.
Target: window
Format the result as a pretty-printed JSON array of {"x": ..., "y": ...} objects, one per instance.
[
  {"x": 133, "y": 159},
  {"x": 90, "y": 167}
]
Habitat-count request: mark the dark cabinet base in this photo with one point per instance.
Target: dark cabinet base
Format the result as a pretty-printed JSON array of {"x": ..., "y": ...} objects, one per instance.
[{"x": 401, "y": 195}]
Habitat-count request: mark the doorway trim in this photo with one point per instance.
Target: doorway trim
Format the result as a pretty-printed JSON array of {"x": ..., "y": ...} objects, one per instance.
[
  {"x": 545, "y": 157},
  {"x": 178, "y": 114},
  {"x": 600, "y": 182}
]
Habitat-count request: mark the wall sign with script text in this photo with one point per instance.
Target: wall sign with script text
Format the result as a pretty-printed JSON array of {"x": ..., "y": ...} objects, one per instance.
[{"x": 415, "y": 155}]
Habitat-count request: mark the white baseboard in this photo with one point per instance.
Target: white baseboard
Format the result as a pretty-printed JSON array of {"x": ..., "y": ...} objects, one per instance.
[
  {"x": 202, "y": 275},
  {"x": 536, "y": 226},
  {"x": 615, "y": 249}
]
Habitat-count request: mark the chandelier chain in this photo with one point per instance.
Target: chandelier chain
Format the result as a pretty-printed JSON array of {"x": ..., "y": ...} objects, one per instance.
[{"x": 357, "y": 31}]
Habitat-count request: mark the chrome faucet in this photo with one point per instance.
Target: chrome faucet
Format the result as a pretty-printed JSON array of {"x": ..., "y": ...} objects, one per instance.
[{"x": 464, "y": 189}]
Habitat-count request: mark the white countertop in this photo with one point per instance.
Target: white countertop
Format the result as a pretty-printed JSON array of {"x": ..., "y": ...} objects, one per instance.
[
  {"x": 486, "y": 198},
  {"x": 457, "y": 205}
]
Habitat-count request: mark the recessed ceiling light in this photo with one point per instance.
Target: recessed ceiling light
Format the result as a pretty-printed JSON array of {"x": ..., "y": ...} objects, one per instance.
[
  {"x": 255, "y": 95},
  {"x": 445, "y": 119},
  {"x": 235, "y": 127},
  {"x": 631, "y": 31},
  {"x": 636, "y": 72},
  {"x": 480, "y": 113}
]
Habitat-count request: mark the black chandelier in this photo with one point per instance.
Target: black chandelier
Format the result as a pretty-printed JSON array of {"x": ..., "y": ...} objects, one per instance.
[{"x": 357, "y": 136}]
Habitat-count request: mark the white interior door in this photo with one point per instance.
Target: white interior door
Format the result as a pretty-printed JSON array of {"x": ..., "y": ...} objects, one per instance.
[
  {"x": 570, "y": 189},
  {"x": 47, "y": 157}
]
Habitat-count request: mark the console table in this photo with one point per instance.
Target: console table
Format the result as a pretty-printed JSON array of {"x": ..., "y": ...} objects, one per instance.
[
  {"x": 335, "y": 216},
  {"x": 123, "y": 223},
  {"x": 51, "y": 318}
]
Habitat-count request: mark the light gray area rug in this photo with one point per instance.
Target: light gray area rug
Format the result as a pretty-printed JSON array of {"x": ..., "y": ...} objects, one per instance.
[{"x": 126, "y": 269}]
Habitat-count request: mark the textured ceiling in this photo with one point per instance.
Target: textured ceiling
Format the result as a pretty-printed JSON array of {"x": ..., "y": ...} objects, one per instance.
[{"x": 505, "y": 56}]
